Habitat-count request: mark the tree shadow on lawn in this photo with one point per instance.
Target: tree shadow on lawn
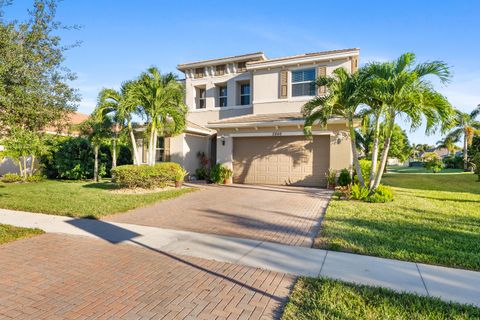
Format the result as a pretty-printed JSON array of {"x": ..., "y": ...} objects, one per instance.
[
  {"x": 102, "y": 185},
  {"x": 408, "y": 241}
]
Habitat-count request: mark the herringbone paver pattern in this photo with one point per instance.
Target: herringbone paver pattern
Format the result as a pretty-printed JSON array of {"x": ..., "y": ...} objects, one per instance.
[
  {"x": 287, "y": 215},
  {"x": 56, "y": 276}
]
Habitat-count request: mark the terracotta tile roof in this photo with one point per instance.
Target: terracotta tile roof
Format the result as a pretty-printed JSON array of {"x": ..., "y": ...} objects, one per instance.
[
  {"x": 74, "y": 118},
  {"x": 273, "y": 117},
  {"x": 311, "y": 54}
]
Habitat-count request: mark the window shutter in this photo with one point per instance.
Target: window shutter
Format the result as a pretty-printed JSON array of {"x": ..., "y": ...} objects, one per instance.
[
  {"x": 283, "y": 84},
  {"x": 322, "y": 72},
  {"x": 166, "y": 150}
]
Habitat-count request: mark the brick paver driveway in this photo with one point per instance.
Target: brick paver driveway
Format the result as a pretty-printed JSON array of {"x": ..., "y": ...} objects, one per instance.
[
  {"x": 55, "y": 276},
  {"x": 288, "y": 215}
]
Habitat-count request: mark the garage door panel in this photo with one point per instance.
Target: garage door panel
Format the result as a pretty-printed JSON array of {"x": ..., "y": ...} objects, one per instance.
[{"x": 281, "y": 160}]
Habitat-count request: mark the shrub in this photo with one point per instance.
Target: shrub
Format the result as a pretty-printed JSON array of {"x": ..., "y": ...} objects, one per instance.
[
  {"x": 144, "y": 176},
  {"x": 35, "y": 178},
  {"x": 365, "y": 166},
  {"x": 381, "y": 194},
  {"x": 434, "y": 164},
  {"x": 201, "y": 173},
  {"x": 344, "y": 179},
  {"x": 219, "y": 173},
  {"x": 180, "y": 174},
  {"x": 11, "y": 177},
  {"x": 357, "y": 192},
  {"x": 453, "y": 162},
  {"x": 73, "y": 160}
]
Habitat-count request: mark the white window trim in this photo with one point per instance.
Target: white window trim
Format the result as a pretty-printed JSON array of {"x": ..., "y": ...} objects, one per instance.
[{"x": 301, "y": 82}]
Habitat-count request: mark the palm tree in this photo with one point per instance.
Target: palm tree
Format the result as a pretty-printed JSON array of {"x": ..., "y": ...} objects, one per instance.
[
  {"x": 161, "y": 98},
  {"x": 404, "y": 90},
  {"x": 447, "y": 143},
  {"x": 466, "y": 124},
  {"x": 97, "y": 131},
  {"x": 120, "y": 106},
  {"x": 343, "y": 99}
]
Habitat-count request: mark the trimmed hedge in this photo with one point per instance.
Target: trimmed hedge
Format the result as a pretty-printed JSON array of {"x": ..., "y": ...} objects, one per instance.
[{"x": 145, "y": 176}]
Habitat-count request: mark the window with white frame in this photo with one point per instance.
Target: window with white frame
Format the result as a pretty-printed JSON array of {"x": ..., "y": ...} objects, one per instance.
[
  {"x": 245, "y": 94},
  {"x": 201, "y": 98},
  {"x": 303, "y": 82},
  {"x": 222, "y": 96}
]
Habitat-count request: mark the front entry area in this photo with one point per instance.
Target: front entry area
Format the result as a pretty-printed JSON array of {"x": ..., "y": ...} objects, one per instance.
[{"x": 287, "y": 160}]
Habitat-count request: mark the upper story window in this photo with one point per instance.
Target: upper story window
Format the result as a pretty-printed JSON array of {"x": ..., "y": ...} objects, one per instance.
[
  {"x": 245, "y": 94},
  {"x": 199, "y": 73},
  {"x": 201, "y": 99},
  {"x": 222, "y": 96},
  {"x": 220, "y": 70},
  {"x": 242, "y": 66},
  {"x": 303, "y": 82}
]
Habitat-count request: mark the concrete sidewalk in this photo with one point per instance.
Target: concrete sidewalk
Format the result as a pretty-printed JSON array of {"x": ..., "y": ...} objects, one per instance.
[{"x": 446, "y": 283}]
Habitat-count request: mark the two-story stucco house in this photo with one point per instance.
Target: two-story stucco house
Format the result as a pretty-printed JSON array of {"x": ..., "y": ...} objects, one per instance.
[{"x": 244, "y": 112}]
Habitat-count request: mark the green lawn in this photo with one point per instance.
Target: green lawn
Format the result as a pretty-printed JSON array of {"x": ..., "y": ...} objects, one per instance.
[
  {"x": 400, "y": 169},
  {"x": 76, "y": 199},
  {"x": 9, "y": 233},
  {"x": 330, "y": 299},
  {"x": 434, "y": 218}
]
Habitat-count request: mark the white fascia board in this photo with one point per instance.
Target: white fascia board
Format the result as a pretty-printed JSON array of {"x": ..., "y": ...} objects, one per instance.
[
  {"x": 283, "y": 134},
  {"x": 301, "y": 60},
  {"x": 268, "y": 124}
]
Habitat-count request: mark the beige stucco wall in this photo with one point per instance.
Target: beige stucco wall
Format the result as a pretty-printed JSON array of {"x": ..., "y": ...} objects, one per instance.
[
  {"x": 266, "y": 87},
  {"x": 184, "y": 149},
  {"x": 203, "y": 117}
]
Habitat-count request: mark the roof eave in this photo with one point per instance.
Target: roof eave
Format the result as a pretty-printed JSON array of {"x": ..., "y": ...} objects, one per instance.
[
  {"x": 282, "y": 123},
  {"x": 205, "y": 63}
]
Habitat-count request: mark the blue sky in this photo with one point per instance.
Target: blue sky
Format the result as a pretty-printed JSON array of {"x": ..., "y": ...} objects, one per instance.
[{"x": 122, "y": 38}]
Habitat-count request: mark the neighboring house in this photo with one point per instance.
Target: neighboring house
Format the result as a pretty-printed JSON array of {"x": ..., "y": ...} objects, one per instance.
[
  {"x": 441, "y": 152},
  {"x": 245, "y": 113},
  {"x": 8, "y": 165}
]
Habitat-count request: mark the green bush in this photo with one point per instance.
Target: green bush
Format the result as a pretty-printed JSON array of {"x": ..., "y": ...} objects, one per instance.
[
  {"x": 434, "y": 164},
  {"x": 201, "y": 173},
  {"x": 365, "y": 166},
  {"x": 219, "y": 173},
  {"x": 72, "y": 159},
  {"x": 344, "y": 179},
  {"x": 35, "y": 178},
  {"x": 11, "y": 177},
  {"x": 382, "y": 194},
  {"x": 358, "y": 192},
  {"x": 453, "y": 162},
  {"x": 144, "y": 176}
]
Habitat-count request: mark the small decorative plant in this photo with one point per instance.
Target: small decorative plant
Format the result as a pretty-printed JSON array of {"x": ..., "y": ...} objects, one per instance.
[
  {"x": 226, "y": 174},
  {"x": 331, "y": 176},
  {"x": 434, "y": 163},
  {"x": 180, "y": 175}
]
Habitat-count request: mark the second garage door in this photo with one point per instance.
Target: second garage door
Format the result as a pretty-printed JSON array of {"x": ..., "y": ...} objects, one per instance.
[{"x": 281, "y": 160}]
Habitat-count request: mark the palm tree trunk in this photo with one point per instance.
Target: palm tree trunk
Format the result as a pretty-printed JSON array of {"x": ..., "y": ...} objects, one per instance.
[
  {"x": 95, "y": 165},
  {"x": 356, "y": 163},
  {"x": 150, "y": 144},
  {"x": 465, "y": 150},
  {"x": 20, "y": 167},
  {"x": 376, "y": 134},
  {"x": 32, "y": 164},
  {"x": 24, "y": 167},
  {"x": 114, "y": 152},
  {"x": 135, "y": 157},
  {"x": 154, "y": 151},
  {"x": 384, "y": 156}
]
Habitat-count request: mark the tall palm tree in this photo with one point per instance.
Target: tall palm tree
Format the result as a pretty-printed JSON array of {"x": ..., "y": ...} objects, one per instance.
[
  {"x": 447, "y": 143},
  {"x": 161, "y": 98},
  {"x": 404, "y": 90},
  {"x": 466, "y": 125},
  {"x": 342, "y": 100},
  {"x": 120, "y": 106}
]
